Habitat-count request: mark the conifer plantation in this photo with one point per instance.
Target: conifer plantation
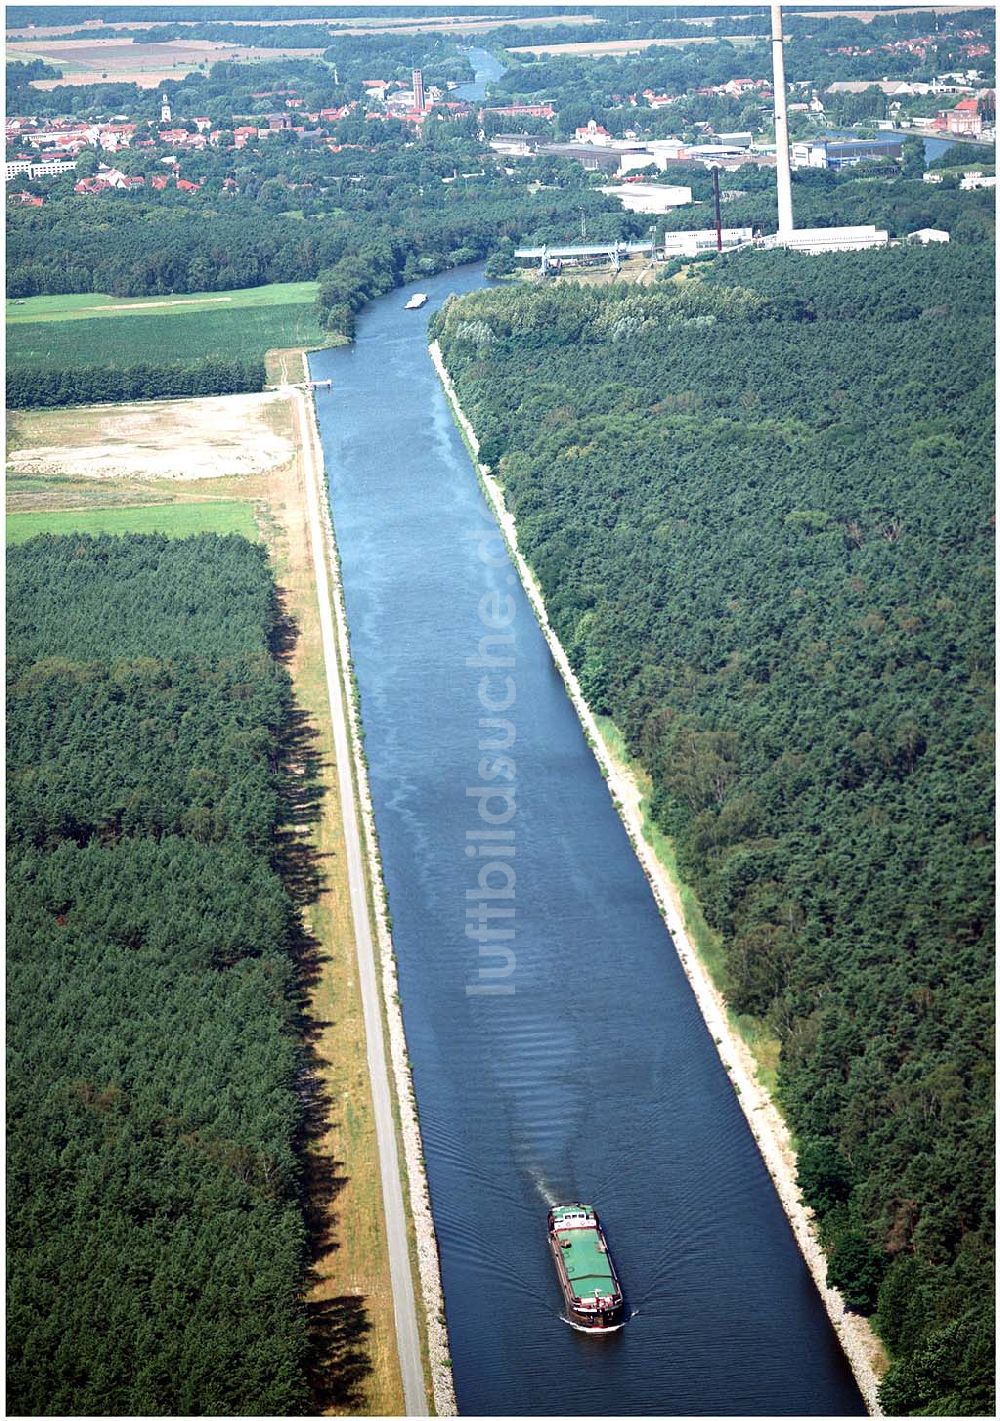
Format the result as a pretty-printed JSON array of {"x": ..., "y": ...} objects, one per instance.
[
  {"x": 760, "y": 507},
  {"x": 156, "y": 1242}
]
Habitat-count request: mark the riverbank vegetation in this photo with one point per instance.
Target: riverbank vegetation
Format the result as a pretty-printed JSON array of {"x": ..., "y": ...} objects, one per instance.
[
  {"x": 157, "y": 1246},
  {"x": 759, "y": 504}
]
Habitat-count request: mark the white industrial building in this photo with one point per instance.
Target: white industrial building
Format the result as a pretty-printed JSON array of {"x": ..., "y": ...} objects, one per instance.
[
  {"x": 926, "y": 235},
  {"x": 828, "y": 239},
  {"x": 975, "y": 179},
  {"x": 836, "y": 154},
  {"x": 48, "y": 166},
  {"x": 663, "y": 151},
  {"x": 690, "y": 244},
  {"x": 649, "y": 197}
]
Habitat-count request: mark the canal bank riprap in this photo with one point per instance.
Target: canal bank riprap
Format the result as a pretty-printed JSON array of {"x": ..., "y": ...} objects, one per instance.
[{"x": 861, "y": 1346}]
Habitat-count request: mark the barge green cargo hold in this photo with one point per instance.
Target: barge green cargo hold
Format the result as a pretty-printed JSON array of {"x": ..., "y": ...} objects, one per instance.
[{"x": 586, "y": 1273}]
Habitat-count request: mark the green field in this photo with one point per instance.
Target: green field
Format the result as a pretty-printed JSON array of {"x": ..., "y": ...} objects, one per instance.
[
  {"x": 56, "y": 331},
  {"x": 177, "y": 520}
]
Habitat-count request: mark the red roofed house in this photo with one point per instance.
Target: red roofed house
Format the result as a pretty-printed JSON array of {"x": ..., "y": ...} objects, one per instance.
[
  {"x": 963, "y": 118},
  {"x": 183, "y": 185},
  {"x": 25, "y": 199},
  {"x": 159, "y": 182},
  {"x": 108, "y": 179},
  {"x": 112, "y": 136}
]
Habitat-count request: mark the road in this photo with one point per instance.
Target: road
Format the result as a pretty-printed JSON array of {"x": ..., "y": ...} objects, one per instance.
[{"x": 401, "y": 1273}]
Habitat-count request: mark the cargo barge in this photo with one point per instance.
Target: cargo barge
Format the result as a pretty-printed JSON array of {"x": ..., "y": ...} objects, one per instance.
[{"x": 592, "y": 1292}]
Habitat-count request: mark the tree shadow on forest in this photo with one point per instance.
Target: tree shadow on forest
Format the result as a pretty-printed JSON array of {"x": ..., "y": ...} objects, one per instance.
[
  {"x": 338, "y": 1331},
  {"x": 338, "y": 1328},
  {"x": 284, "y": 631},
  {"x": 294, "y": 854}
]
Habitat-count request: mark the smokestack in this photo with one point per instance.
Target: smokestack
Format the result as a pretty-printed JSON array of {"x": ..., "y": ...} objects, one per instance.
[
  {"x": 718, "y": 209},
  {"x": 418, "y": 91},
  {"x": 785, "y": 223}
]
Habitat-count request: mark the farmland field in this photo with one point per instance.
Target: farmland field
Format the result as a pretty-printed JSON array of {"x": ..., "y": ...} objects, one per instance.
[
  {"x": 596, "y": 49},
  {"x": 374, "y": 24},
  {"x": 123, "y": 61},
  {"x": 45, "y": 332},
  {"x": 177, "y": 520}
]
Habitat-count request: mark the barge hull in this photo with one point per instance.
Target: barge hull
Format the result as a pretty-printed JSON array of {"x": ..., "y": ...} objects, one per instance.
[{"x": 586, "y": 1273}]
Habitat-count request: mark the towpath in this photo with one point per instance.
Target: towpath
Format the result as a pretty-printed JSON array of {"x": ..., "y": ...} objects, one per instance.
[{"x": 404, "y": 1300}]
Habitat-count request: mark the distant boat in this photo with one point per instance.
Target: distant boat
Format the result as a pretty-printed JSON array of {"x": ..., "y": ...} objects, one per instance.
[
  {"x": 587, "y": 1276},
  {"x": 418, "y": 299}
]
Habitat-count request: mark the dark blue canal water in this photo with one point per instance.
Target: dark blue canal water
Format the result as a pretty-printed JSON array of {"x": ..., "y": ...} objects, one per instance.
[{"x": 591, "y": 1075}]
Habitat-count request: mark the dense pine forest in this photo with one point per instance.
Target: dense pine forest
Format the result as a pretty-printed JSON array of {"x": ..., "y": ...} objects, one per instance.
[
  {"x": 156, "y": 1244},
  {"x": 111, "y": 384},
  {"x": 760, "y": 506}
]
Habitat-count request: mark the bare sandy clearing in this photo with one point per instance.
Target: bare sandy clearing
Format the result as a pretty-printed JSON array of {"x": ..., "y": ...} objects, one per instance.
[
  {"x": 197, "y": 439},
  {"x": 171, "y": 301}
]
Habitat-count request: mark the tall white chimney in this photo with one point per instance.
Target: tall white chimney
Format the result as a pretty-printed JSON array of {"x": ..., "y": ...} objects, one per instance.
[{"x": 785, "y": 223}]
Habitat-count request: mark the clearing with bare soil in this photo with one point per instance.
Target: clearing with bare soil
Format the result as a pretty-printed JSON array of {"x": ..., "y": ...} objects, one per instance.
[{"x": 188, "y": 440}]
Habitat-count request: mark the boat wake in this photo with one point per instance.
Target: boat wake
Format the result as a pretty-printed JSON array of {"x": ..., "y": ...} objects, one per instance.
[{"x": 545, "y": 1190}]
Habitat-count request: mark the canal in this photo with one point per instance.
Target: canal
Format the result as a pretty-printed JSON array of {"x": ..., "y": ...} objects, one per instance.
[{"x": 566, "y": 1058}]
